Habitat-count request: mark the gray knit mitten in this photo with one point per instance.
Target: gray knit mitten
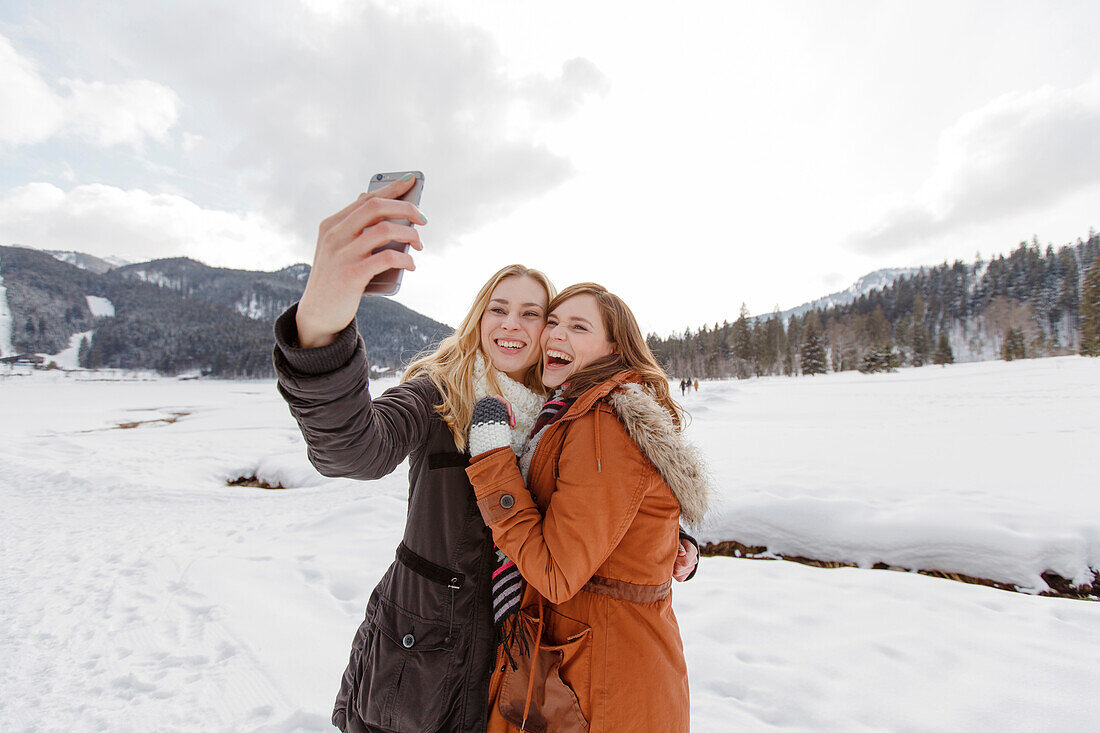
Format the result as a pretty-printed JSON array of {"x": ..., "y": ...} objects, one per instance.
[{"x": 490, "y": 426}]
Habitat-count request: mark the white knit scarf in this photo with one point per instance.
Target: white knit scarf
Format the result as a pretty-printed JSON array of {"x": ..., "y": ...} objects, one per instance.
[{"x": 525, "y": 403}]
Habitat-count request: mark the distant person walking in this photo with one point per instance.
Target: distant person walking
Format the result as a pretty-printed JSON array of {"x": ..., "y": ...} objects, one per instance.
[
  {"x": 683, "y": 386},
  {"x": 696, "y": 385}
]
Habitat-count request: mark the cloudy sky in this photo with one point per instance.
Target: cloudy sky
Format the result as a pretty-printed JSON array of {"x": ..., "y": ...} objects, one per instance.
[{"x": 689, "y": 157}]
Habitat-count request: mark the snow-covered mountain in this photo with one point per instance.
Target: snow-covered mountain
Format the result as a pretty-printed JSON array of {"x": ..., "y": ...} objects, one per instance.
[
  {"x": 174, "y": 314},
  {"x": 876, "y": 280},
  {"x": 89, "y": 262},
  {"x": 299, "y": 271}
]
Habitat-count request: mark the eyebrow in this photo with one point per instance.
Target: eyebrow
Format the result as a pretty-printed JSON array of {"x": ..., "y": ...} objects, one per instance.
[
  {"x": 575, "y": 318},
  {"x": 522, "y": 305}
]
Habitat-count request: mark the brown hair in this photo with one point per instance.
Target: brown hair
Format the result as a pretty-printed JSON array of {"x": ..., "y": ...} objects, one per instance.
[
  {"x": 451, "y": 365},
  {"x": 632, "y": 353}
]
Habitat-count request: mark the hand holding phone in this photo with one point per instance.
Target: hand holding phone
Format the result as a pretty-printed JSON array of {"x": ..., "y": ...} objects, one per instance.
[
  {"x": 389, "y": 282},
  {"x": 356, "y": 244}
]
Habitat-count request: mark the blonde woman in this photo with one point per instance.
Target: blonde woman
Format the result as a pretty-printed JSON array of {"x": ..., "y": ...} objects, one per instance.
[{"x": 422, "y": 656}]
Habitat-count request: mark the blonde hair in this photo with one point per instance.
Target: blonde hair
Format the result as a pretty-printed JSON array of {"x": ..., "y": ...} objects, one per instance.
[
  {"x": 632, "y": 353},
  {"x": 451, "y": 365}
]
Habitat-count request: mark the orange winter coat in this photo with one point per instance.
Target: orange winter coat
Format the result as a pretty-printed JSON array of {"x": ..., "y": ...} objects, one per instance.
[{"x": 595, "y": 535}]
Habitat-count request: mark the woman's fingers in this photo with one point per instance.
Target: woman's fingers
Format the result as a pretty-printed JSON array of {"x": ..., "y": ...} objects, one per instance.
[
  {"x": 391, "y": 190},
  {"x": 385, "y": 259},
  {"x": 382, "y": 233},
  {"x": 372, "y": 212},
  {"x": 687, "y": 557},
  {"x": 350, "y": 253},
  {"x": 681, "y": 569},
  {"x": 511, "y": 414}
]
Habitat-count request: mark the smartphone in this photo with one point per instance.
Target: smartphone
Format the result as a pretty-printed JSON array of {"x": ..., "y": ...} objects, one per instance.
[{"x": 389, "y": 282}]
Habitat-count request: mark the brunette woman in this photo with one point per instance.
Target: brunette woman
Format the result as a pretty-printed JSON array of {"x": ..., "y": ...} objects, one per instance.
[{"x": 593, "y": 531}]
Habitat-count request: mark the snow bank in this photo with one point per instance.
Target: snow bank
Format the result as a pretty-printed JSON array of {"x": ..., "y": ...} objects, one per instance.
[
  {"x": 982, "y": 469},
  {"x": 782, "y": 646}
]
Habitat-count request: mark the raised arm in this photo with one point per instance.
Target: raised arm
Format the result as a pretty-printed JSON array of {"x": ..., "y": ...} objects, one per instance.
[
  {"x": 320, "y": 359},
  {"x": 347, "y": 433}
]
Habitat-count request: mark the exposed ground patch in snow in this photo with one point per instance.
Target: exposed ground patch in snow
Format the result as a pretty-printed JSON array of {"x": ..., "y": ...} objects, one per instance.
[{"x": 140, "y": 592}]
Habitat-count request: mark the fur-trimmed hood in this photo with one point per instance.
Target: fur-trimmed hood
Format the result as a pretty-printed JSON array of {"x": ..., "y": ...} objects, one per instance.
[{"x": 678, "y": 461}]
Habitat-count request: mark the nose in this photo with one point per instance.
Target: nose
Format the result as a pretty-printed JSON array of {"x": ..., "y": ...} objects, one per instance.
[{"x": 510, "y": 322}]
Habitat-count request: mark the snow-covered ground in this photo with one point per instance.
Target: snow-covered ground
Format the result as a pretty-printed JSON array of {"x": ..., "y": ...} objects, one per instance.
[
  {"x": 100, "y": 307},
  {"x": 987, "y": 469},
  {"x": 70, "y": 357},
  {"x": 138, "y": 591},
  {"x": 5, "y": 322}
]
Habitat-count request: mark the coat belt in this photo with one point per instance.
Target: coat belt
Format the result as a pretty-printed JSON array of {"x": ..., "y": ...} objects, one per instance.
[{"x": 624, "y": 591}]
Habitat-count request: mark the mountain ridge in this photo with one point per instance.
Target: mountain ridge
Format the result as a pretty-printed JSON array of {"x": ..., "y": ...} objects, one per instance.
[{"x": 178, "y": 314}]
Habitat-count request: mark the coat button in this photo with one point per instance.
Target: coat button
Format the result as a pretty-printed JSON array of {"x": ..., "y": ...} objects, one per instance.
[
  {"x": 507, "y": 501},
  {"x": 408, "y": 641}
]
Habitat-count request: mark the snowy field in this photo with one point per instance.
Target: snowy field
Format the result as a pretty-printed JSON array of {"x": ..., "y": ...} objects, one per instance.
[
  {"x": 987, "y": 469},
  {"x": 139, "y": 592}
]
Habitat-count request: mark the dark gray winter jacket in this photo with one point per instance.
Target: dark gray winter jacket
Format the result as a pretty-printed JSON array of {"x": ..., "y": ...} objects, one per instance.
[{"x": 422, "y": 656}]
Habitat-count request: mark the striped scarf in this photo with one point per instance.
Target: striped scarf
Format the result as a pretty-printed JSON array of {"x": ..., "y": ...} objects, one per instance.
[{"x": 507, "y": 588}]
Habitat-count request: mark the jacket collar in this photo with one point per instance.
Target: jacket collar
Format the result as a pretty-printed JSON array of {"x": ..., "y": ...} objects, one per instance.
[
  {"x": 585, "y": 402},
  {"x": 651, "y": 428}
]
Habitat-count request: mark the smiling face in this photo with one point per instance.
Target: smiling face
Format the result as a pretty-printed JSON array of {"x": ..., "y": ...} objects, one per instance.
[
  {"x": 512, "y": 323},
  {"x": 574, "y": 337}
]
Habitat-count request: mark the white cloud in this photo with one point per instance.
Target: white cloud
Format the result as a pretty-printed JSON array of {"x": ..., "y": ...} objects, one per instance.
[
  {"x": 137, "y": 225},
  {"x": 302, "y": 105},
  {"x": 1019, "y": 153},
  {"x": 190, "y": 142},
  {"x": 29, "y": 110},
  {"x": 96, "y": 112},
  {"x": 113, "y": 114}
]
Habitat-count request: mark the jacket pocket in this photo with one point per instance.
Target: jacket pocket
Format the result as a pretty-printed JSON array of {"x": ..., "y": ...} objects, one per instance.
[
  {"x": 560, "y": 670},
  {"x": 404, "y": 670}
]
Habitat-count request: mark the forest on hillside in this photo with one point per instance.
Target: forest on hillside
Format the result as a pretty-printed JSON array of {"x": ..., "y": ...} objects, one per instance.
[
  {"x": 1034, "y": 302},
  {"x": 178, "y": 315}
]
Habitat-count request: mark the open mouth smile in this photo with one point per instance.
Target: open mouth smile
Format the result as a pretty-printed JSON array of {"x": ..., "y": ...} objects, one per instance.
[
  {"x": 510, "y": 346},
  {"x": 555, "y": 358}
]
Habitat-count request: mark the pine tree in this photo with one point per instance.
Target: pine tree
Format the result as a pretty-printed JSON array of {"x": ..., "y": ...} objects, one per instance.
[
  {"x": 790, "y": 354},
  {"x": 880, "y": 358},
  {"x": 742, "y": 345},
  {"x": 1013, "y": 347},
  {"x": 919, "y": 340},
  {"x": 943, "y": 354},
  {"x": 878, "y": 328},
  {"x": 82, "y": 352},
  {"x": 776, "y": 343},
  {"x": 1090, "y": 311},
  {"x": 813, "y": 346}
]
